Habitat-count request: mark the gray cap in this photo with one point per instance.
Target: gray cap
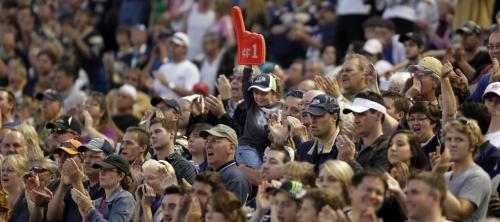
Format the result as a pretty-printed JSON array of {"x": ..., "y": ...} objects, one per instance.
[
  {"x": 97, "y": 145},
  {"x": 221, "y": 130}
]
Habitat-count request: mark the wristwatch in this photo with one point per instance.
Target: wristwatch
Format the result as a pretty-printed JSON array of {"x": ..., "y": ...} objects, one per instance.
[{"x": 171, "y": 85}]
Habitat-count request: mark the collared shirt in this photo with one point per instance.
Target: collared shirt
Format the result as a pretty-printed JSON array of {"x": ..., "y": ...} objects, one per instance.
[
  {"x": 375, "y": 155},
  {"x": 235, "y": 180},
  {"x": 119, "y": 207}
]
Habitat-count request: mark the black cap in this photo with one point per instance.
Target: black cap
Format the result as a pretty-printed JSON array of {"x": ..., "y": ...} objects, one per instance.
[
  {"x": 322, "y": 104},
  {"x": 166, "y": 33},
  {"x": 469, "y": 27},
  {"x": 97, "y": 145},
  {"x": 49, "y": 94},
  {"x": 114, "y": 162},
  {"x": 328, "y": 5},
  {"x": 66, "y": 122},
  {"x": 170, "y": 102},
  {"x": 413, "y": 37}
]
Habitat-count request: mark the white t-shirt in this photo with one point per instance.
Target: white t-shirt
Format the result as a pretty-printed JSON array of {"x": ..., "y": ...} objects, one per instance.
[
  {"x": 494, "y": 138},
  {"x": 184, "y": 74},
  {"x": 209, "y": 73},
  {"x": 197, "y": 25},
  {"x": 352, "y": 7}
]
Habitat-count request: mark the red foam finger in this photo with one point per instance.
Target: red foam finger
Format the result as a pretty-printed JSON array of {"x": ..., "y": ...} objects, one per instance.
[{"x": 251, "y": 46}]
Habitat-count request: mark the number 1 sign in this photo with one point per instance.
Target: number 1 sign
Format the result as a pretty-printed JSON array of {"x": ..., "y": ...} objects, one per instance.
[{"x": 251, "y": 46}]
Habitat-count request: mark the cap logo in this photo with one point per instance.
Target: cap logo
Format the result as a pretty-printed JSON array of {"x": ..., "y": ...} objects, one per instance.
[
  {"x": 315, "y": 102},
  {"x": 260, "y": 79}
]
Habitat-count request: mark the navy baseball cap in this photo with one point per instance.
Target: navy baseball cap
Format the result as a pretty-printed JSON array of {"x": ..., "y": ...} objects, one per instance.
[
  {"x": 97, "y": 145},
  {"x": 263, "y": 82},
  {"x": 170, "y": 102},
  {"x": 322, "y": 104}
]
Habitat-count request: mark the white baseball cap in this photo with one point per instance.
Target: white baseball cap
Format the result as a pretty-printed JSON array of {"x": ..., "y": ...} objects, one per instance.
[
  {"x": 373, "y": 46},
  {"x": 126, "y": 88},
  {"x": 492, "y": 88},
  {"x": 360, "y": 105},
  {"x": 180, "y": 38}
]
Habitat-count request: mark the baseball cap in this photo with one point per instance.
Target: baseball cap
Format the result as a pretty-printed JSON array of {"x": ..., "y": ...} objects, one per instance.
[
  {"x": 66, "y": 122},
  {"x": 413, "y": 37},
  {"x": 469, "y": 27},
  {"x": 263, "y": 82},
  {"x": 322, "y": 104},
  {"x": 291, "y": 187},
  {"x": 97, "y": 145},
  {"x": 221, "y": 130},
  {"x": 114, "y": 161},
  {"x": 49, "y": 94},
  {"x": 140, "y": 26},
  {"x": 360, "y": 105},
  {"x": 180, "y": 38},
  {"x": 492, "y": 88},
  {"x": 201, "y": 88},
  {"x": 170, "y": 102},
  {"x": 126, "y": 88},
  {"x": 428, "y": 65},
  {"x": 69, "y": 146},
  {"x": 373, "y": 46}
]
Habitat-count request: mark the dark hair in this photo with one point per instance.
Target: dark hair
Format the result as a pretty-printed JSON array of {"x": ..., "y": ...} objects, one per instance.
[
  {"x": 419, "y": 160},
  {"x": 281, "y": 149},
  {"x": 48, "y": 53},
  {"x": 228, "y": 204},
  {"x": 376, "y": 21},
  {"x": 214, "y": 36},
  {"x": 357, "y": 179},
  {"x": 431, "y": 111},
  {"x": 213, "y": 179},
  {"x": 11, "y": 98},
  {"x": 323, "y": 197},
  {"x": 125, "y": 182},
  {"x": 68, "y": 69},
  {"x": 479, "y": 112},
  {"x": 401, "y": 103},
  {"x": 173, "y": 189},
  {"x": 435, "y": 182}
]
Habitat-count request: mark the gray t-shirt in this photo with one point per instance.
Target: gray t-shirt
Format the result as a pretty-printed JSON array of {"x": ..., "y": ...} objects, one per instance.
[{"x": 474, "y": 185}]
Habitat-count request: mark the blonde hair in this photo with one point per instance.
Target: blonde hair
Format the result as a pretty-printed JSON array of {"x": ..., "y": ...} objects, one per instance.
[
  {"x": 342, "y": 172},
  {"x": 31, "y": 138},
  {"x": 469, "y": 128},
  {"x": 18, "y": 162},
  {"x": 160, "y": 166},
  {"x": 301, "y": 171}
]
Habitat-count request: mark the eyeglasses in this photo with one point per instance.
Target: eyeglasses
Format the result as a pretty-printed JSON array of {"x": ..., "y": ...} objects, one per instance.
[{"x": 491, "y": 46}]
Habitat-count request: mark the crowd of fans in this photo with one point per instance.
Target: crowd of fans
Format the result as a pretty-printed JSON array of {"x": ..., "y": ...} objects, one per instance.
[{"x": 137, "y": 110}]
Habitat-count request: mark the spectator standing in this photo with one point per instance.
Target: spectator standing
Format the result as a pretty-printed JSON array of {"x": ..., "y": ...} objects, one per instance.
[{"x": 198, "y": 22}]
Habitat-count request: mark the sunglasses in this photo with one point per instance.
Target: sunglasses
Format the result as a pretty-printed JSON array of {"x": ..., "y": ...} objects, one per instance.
[
  {"x": 38, "y": 169},
  {"x": 58, "y": 131}
]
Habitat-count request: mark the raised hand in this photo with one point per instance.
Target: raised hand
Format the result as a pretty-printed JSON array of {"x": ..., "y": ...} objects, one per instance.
[
  {"x": 415, "y": 89},
  {"x": 263, "y": 198},
  {"x": 330, "y": 86},
  {"x": 71, "y": 173},
  {"x": 446, "y": 70},
  {"x": 495, "y": 77},
  {"x": 215, "y": 105},
  {"x": 224, "y": 87},
  {"x": 82, "y": 199},
  {"x": 251, "y": 46},
  {"x": 148, "y": 195},
  {"x": 347, "y": 149},
  {"x": 443, "y": 164},
  {"x": 327, "y": 214}
]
